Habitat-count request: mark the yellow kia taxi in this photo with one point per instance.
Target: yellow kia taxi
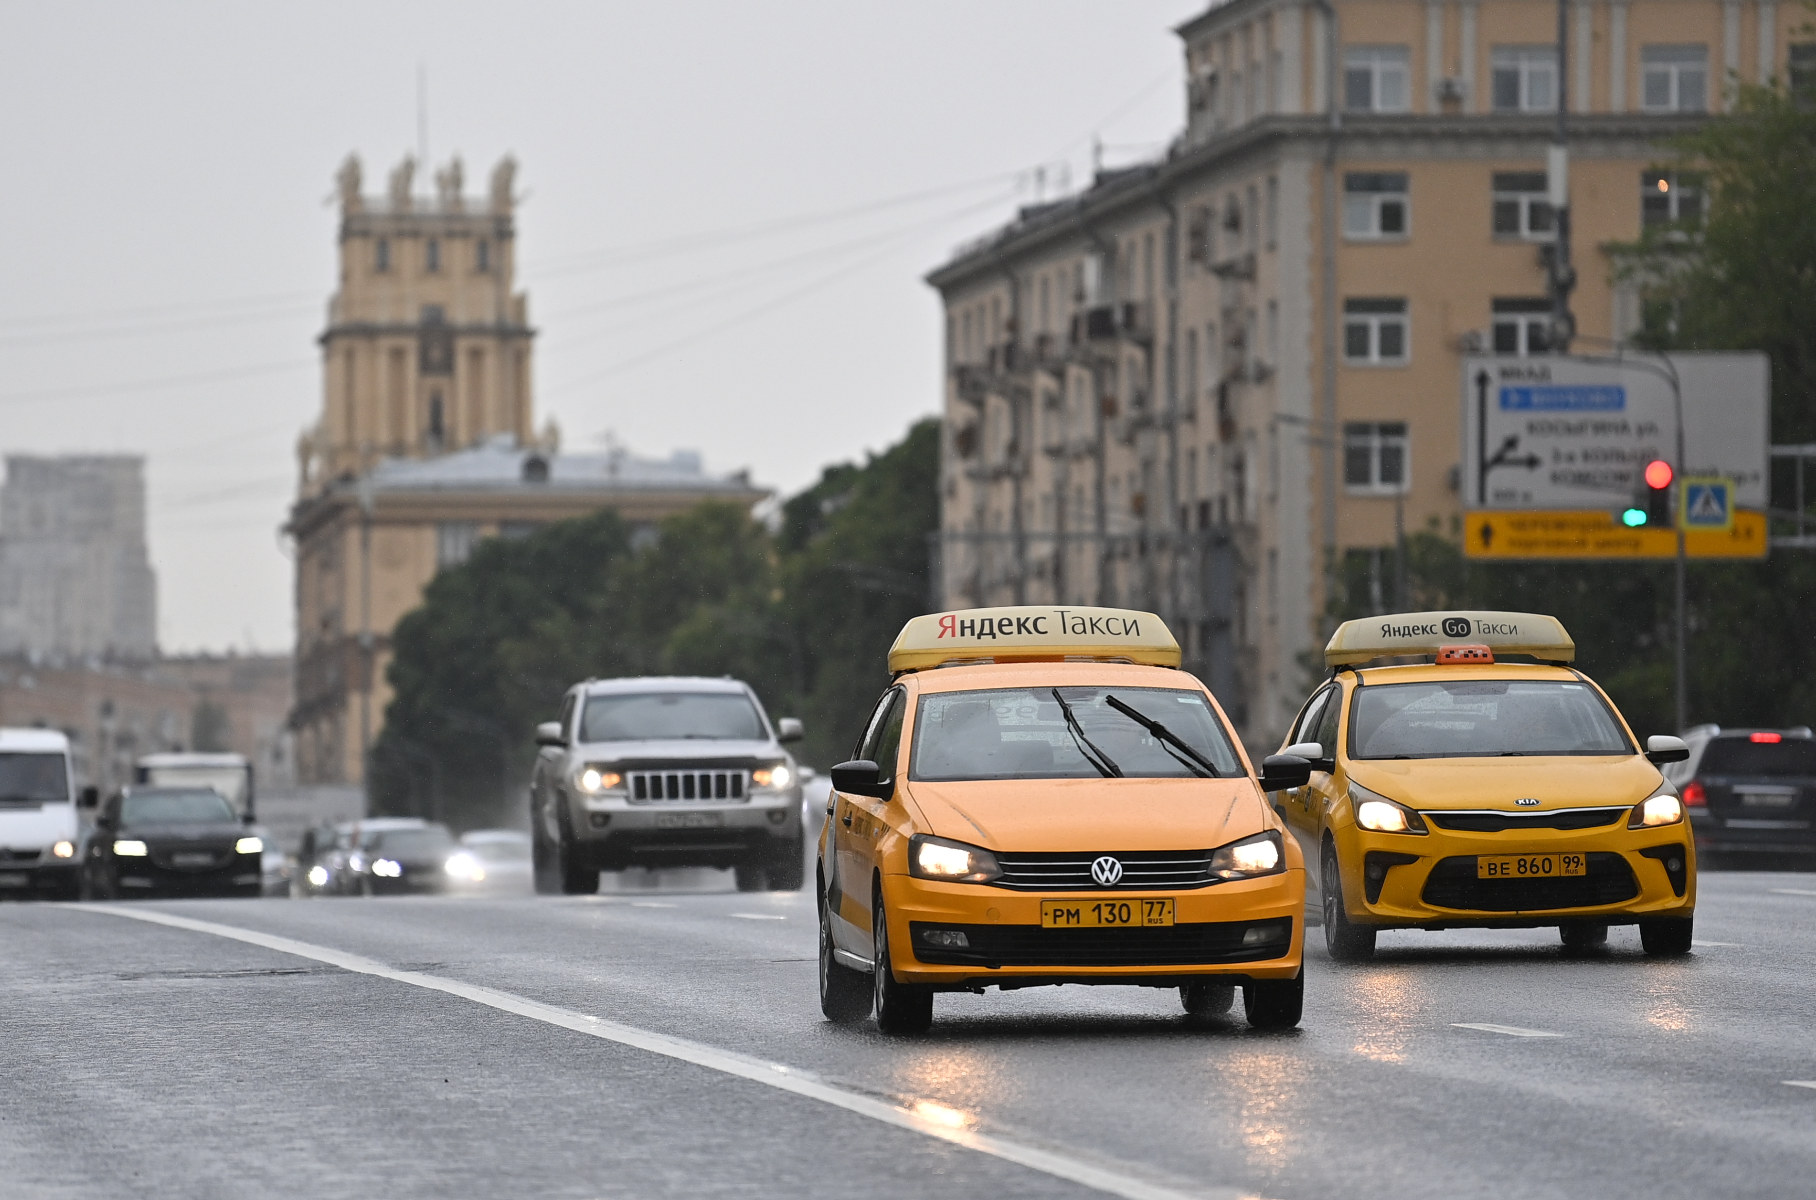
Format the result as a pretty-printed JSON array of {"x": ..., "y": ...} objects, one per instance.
[
  {"x": 1041, "y": 796},
  {"x": 1470, "y": 790}
]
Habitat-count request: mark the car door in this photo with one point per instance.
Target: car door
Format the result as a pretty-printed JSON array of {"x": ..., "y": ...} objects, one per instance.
[
  {"x": 851, "y": 926},
  {"x": 1295, "y": 803},
  {"x": 870, "y": 813},
  {"x": 1327, "y": 782}
]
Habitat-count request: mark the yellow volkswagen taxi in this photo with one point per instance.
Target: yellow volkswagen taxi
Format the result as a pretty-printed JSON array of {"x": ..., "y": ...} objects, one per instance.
[
  {"x": 1041, "y": 796},
  {"x": 1487, "y": 784}
]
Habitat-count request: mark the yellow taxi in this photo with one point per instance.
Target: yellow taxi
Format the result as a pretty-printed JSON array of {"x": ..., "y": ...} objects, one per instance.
[
  {"x": 1488, "y": 784},
  {"x": 1040, "y": 797}
]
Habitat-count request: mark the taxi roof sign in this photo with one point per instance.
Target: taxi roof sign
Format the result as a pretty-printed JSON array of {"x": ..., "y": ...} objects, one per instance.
[
  {"x": 1032, "y": 632},
  {"x": 1359, "y": 641}
]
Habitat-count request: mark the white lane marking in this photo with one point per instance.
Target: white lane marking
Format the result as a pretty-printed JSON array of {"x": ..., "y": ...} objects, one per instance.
[
  {"x": 758, "y": 917},
  {"x": 649, "y": 904},
  {"x": 1509, "y": 1030},
  {"x": 921, "y": 1116},
  {"x": 1791, "y": 892},
  {"x": 1809, "y": 1083},
  {"x": 1730, "y": 945}
]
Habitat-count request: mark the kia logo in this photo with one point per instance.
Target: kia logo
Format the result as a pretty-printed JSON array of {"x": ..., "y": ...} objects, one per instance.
[
  {"x": 1456, "y": 626},
  {"x": 1527, "y": 802},
  {"x": 1106, "y": 871}
]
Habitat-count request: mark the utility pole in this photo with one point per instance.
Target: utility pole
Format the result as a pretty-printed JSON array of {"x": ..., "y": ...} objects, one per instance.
[{"x": 1562, "y": 276}]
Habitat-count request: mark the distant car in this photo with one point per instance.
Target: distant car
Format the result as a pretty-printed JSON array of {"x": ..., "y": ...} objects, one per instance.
[
  {"x": 493, "y": 862},
  {"x": 396, "y": 860},
  {"x": 276, "y": 869},
  {"x": 1749, "y": 791},
  {"x": 170, "y": 841}
]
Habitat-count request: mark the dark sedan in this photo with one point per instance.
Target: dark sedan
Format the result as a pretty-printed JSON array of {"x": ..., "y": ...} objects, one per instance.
[
  {"x": 170, "y": 841},
  {"x": 392, "y": 861},
  {"x": 1750, "y": 792}
]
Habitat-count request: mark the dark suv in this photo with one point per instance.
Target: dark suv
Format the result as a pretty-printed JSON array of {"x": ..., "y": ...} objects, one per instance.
[{"x": 1749, "y": 791}]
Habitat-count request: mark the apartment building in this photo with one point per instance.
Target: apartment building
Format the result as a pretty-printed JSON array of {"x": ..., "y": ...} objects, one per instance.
[{"x": 1205, "y": 384}]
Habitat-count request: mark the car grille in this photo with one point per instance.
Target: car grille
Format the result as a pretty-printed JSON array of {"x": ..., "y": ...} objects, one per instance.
[
  {"x": 1168, "y": 946},
  {"x": 1071, "y": 870},
  {"x": 686, "y": 785},
  {"x": 19, "y": 856},
  {"x": 1453, "y": 884},
  {"x": 1497, "y": 822}
]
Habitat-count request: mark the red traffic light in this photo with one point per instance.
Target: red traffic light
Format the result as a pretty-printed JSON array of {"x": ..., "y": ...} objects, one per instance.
[{"x": 1658, "y": 474}]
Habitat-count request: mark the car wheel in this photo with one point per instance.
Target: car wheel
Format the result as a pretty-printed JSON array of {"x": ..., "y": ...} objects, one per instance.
[
  {"x": 1274, "y": 1003},
  {"x": 788, "y": 865},
  {"x": 900, "y": 1007},
  {"x": 752, "y": 875},
  {"x": 1583, "y": 935},
  {"x": 1207, "y": 999},
  {"x": 1345, "y": 940},
  {"x": 542, "y": 861},
  {"x": 1667, "y": 937},
  {"x": 845, "y": 994}
]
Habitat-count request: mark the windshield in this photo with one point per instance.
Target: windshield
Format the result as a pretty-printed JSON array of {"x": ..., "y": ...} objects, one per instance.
[
  {"x": 1740, "y": 756},
  {"x": 176, "y": 808},
  {"x": 33, "y": 779},
  {"x": 662, "y": 715},
  {"x": 1022, "y": 733},
  {"x": 413, "y": 843},
  {"x": 1482, "y": 718}
]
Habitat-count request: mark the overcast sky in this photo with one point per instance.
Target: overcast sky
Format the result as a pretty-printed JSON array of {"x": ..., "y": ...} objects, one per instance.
[{"x": 728, "y": 210}]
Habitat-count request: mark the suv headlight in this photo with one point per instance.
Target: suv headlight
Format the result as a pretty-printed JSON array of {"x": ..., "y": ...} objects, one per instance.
[
  {"x": 1660, "y": 808},
  {"x": 775, "y": 777},
  {"x": 593, "y": 779},
  {"x": 1252, "y": 856},
  {"x": 1377, "y": 813},
  {"x": 129, "y": 848},
  {"x": 954, "y": 862}
]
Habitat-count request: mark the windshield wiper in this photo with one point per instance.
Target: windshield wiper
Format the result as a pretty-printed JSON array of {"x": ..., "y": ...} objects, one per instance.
[
  {"x": 1106, "y": 766},
  {"x": 1165, "y": 735}
]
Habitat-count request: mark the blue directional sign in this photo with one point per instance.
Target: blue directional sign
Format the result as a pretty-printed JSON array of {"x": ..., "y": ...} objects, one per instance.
[{"x": 1708, "y": 502}]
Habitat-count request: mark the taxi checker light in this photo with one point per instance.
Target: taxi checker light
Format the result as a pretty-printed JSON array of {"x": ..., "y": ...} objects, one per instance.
[
  {"x": 1457, "y": 656},
  {"x": 1498, "y": 633},
  {"x": 1033, "y": 633}
]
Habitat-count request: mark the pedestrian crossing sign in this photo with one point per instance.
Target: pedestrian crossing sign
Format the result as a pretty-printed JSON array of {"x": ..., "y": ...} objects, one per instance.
[{"x": 1708, "y": 502}]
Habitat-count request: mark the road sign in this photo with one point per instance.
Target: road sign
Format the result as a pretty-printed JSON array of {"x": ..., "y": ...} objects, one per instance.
[
  {"x": 1708, "y": 503},
  {"x": 1601, "y": 534}
]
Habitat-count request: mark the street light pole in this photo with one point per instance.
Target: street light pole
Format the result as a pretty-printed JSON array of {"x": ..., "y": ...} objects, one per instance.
[{"x": 1562, "y": 276}]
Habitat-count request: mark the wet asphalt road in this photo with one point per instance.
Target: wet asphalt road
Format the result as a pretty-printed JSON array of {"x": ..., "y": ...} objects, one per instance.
[{"x": 154, "y": 1061}]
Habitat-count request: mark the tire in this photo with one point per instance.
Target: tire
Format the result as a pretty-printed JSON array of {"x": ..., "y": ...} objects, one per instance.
[
  {"x": 1274, "y": 1003},
  {"x": 542, "y": 861},
  {"x": 752, "y": 875},
  {"x": 788, "y": 865},
  {"x": 1583, "y": 935},
  {"x": 901, "y": 1008},
  {"x": 1667, "y": 937},
  {"x": 1343, "y": 939},
  {"x": 578, "y": 878},
  {"x": 845, "y": 994},
  {"x": 1207, "y": 999}
]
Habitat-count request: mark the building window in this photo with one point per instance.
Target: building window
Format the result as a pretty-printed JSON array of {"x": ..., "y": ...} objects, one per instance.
[
  {"x": 431, "y": 255},
  {"x": 1801, "y": 67},
  {"x": 1666, "y": 197},
  {"x": 1375, "y": 78},
  {"x": 381, "y": 254},
  {"x": 1674, "y": 78},
  {"x": 1522, "y": 326},
  {"x": 454, "y": 542},
  {"x": 1374, "y": 330},
  {"x": 1524, "y": 78},
  {"x": 1520, "y": 205},
  {"x": 1374, "y": 457},
  {"x": 438, "y": 420},
  {"x": 1374, "y": 204},
  {"x": 482, "y": 255},
  {"x": 1273, "y": 211}
]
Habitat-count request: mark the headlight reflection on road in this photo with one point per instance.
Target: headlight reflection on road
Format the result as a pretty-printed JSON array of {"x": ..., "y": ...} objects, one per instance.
[
  {"x": 941, "y": 1114},
  {"x": 1274, "y": 1096},
  {"x": 1383, "y": 999}
]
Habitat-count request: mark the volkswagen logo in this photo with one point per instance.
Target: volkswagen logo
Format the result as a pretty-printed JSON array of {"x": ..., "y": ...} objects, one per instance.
[
  {"x": 1456, "y": 626},
  {"x": 1527, "y": 802},
  {"x": 1106, "y": 871}
]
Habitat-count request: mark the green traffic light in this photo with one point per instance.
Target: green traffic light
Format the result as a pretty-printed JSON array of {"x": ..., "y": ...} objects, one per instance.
[{"x": 1633, "y": 517}]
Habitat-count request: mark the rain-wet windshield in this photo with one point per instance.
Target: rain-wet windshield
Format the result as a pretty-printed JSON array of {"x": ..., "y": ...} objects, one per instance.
[
  {"x": 1024, "y": 733},
  {"x": 663, "y": 715},
  {"x": 201, "y": 807},
  {"x": 1482, "y": 718}
]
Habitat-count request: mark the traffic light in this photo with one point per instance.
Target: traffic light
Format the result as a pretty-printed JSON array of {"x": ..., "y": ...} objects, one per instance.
[{"x": 1651, "y": 507}]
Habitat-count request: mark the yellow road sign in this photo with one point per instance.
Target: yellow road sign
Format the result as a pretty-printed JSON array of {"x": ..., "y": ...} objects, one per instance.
[{"x": 1599, "y": 535}]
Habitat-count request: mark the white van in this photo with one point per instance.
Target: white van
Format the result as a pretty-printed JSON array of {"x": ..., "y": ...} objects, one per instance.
[{"x": 38, "y": 828}]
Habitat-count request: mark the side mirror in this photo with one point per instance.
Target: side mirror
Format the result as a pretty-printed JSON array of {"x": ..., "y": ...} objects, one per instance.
[
  {"x": 1662, "y": 748},
  {"x": 89, "y": 798},
  {"x": 1313, "y": 753},
  {"x": 549, "y": 734},
  {"x": 790, "y": 729},
  {"x": 1282, "y": 771},
  {"x": 859, "y": 777}
]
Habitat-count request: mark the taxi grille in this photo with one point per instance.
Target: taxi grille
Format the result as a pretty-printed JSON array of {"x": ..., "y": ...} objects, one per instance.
[
  {"x": 686, "y": 785},
  {"x": 1141, "y": 869},
  {"x": 1453, "y": 884},
  {"x": 1194, "y": 944},
  {"x": 1497, "y": 822}
]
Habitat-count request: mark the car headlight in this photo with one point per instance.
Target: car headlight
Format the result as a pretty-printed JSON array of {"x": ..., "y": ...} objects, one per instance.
[
  {"x": 593, "y": 780},
  {"x": 356, "y": 862},
  {"x": 1377, "y": 813},
  {"x": 775, "y": 778},
  {"x": 1660, "y": 808},
  {"x": 465, "y": 866},
  {"x": 249, "y": 845},
  {"x": 954, "y": 862},
  {"x": 1252, "y": 856},
  {"x": 129, "y": 848},
  {"x": 318, "y": 876},
  {"x": 63, "y": 850},
  {"x": 388, "y": 868}
]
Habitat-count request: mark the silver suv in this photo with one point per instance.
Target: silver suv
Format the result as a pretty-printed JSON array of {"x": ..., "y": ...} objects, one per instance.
[{"x": 665, "y": 772}]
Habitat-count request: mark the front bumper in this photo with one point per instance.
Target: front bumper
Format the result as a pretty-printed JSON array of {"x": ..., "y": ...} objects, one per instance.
[
  {"x": 144, "y": 878},
  {"x": 617, "y": 833},
  {"x": 1429, "y": 881},
  {"x": 47, "y": 875},
  {"x": 1008, "y": 948}
]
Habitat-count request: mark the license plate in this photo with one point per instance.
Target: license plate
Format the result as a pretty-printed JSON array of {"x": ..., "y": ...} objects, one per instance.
[
  {"x": 1093, "y": 914},
  {"x": 706, "y": 820},
  {"x": 1767, "y": 800},
  {"x": 1530, "y": 866},
  {"x": 191, "y": 859},
  {"x": 14, "y": 879}
]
